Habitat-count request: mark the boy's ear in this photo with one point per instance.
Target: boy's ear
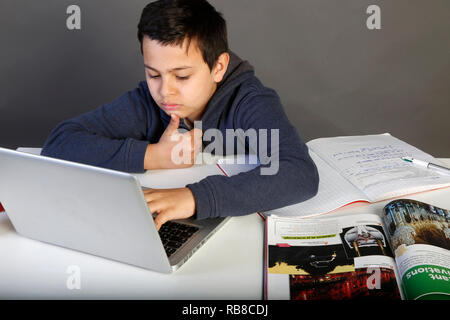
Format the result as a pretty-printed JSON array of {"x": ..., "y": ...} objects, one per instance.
[{"x": 221, "y": 66}]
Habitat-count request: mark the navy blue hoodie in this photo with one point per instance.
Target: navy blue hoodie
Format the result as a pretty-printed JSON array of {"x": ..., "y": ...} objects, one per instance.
[{"x": 116, "y": 136}]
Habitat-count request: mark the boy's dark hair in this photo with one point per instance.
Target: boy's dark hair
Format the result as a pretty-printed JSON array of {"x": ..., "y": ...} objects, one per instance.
[{"x": 171, "y": 21}]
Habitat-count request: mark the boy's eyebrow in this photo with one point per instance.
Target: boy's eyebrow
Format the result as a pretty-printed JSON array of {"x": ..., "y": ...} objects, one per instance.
[{"x": 174, "y": 69}]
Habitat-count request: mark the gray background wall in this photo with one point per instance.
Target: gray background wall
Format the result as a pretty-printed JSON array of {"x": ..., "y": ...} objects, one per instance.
[{"x": 334, "y": 76}]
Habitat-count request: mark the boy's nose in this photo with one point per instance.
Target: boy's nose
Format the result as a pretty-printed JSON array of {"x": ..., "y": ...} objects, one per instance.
[{"x": 167, "y": 88}]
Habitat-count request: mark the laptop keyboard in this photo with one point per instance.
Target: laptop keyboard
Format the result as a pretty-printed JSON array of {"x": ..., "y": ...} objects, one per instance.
[{"x": 174, "y": 235}]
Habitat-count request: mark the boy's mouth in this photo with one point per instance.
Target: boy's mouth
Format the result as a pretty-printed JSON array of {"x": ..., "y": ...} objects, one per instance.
[{"x": 170, "y": 106}]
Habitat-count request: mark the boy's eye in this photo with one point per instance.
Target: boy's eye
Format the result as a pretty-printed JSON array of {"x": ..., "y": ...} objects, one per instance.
[{"x": 178, "y": 77}]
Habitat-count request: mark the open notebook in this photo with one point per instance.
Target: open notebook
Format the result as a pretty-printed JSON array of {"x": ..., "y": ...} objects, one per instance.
[{"x": 364, "y": 168}]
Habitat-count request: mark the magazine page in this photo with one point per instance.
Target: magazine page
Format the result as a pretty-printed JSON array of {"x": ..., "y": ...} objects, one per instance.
[
  {"x": 419, "y": 235},
  {"x": 373, "y": 164},
  {"x": 332, "y": 258}
]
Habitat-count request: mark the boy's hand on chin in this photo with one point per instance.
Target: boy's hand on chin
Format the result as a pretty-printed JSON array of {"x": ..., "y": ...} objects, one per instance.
[
  {"x": 174, "y": 149},
  {"x": 170, "y": 204}
]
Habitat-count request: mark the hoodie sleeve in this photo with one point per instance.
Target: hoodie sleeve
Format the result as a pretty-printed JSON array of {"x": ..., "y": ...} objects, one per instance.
[
  {"x": 111, "y": 136},
  {"x": 288, "y": 178}
]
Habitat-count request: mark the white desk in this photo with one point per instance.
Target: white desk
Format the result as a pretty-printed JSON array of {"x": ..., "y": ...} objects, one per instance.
[{"x": 229, "y": 266}]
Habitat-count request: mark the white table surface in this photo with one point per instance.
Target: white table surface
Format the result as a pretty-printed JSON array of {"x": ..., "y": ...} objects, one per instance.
[{"x": 229, "y": 266}]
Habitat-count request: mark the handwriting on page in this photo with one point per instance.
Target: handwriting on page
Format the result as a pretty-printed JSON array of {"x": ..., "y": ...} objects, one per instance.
[
  {"x": 367, "y": 167},
  {"x": 368, "y": 154}
]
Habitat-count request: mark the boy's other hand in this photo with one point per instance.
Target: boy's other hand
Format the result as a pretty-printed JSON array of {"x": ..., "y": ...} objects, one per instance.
[
  {"x": 174, "y": 149},
  {"x": 170, "y": 204}
]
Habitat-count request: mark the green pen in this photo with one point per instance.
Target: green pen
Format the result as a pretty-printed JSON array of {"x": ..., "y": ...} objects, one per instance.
[{"x": 428, "y": 165}]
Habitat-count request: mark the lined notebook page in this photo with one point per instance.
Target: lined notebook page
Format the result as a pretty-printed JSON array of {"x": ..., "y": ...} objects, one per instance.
[
  {"x": 334, "y": 192},
  {"x": 373, "y": 164}
]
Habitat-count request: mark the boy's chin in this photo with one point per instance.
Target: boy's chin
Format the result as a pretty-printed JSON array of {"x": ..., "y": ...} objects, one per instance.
[{"x": 180, "y": 114}]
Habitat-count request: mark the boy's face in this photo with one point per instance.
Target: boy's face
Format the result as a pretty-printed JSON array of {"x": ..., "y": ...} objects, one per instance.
[{"x": 180, "y": 81}]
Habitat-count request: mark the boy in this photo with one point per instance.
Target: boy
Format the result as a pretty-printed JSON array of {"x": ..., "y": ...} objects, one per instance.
[{"x": 190, "y": 76}]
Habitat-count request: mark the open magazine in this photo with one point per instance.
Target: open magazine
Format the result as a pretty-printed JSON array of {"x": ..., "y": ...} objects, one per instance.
[
  {"x": 405, "y": 254},
  {"x": 365, "y": 168}
]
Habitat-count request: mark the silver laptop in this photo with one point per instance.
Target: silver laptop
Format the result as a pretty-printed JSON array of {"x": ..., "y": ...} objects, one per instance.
[{"x": 94, "y": 210}]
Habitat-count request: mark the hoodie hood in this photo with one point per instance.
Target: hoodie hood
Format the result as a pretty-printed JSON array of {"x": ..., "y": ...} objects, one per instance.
[
  {"x": 236, "y": 67},
  {"x": 237, "y": 72}
]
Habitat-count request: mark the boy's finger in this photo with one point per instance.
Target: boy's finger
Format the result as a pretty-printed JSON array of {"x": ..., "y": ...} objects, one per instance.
[
  {"x": 198, "y": 133},
  {"x": 173, "y": 124},
  {"x": 155, "y": 206},
  {"x": 152, "y": 196},
  {"x": 160, "y": 219},
  {"x": 148, "y": 190},
  {"x": 197, "y": 140}
]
